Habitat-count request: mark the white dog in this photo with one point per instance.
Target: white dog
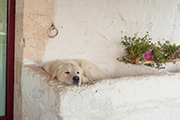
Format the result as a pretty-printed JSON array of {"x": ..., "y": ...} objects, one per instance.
[{"x": 74, "y": 71}]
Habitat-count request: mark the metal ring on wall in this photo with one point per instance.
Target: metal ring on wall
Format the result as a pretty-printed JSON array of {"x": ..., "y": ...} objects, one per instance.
[{"x": 52, "y": 28}]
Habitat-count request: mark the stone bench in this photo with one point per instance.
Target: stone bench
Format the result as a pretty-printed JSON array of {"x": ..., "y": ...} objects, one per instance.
[{"x": 146, "y": 97}]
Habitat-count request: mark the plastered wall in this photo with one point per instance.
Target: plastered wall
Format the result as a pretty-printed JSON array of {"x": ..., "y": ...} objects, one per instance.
[
  {"x": 37, "y": 18},
  {"x": 90, "y": 30},
  {"x": 33, "y": 18},
  {"x": 18, "y": 59},
  {"x": 148, "y": 97}
]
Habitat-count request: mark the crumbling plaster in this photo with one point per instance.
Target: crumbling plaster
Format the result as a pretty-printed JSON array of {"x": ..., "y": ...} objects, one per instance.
[{"x": 37, "y": 18}]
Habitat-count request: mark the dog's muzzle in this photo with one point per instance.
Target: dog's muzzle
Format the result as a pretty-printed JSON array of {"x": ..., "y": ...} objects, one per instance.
[{"x": 75, "y": 80}]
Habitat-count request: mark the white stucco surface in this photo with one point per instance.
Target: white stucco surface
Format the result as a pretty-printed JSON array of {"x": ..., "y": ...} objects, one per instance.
[
  {"x": 91, "y": 29},
  {"x": 150, "y": 97}
]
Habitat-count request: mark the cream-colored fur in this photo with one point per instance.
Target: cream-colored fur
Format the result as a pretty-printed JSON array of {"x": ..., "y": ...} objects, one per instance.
[{"x": 64, "y": 70}]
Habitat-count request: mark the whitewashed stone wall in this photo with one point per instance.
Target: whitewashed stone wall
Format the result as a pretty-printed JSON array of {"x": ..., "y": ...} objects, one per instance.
[
  {"x": 155, "y": 97},
  {"x": 91, "y": 29}
]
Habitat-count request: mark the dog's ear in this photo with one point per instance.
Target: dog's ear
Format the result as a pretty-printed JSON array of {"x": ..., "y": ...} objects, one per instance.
[
  {"x": 56, "y": 70},
  {"x": 54, "y": 73},
  {"x": 53, "y": 70}
]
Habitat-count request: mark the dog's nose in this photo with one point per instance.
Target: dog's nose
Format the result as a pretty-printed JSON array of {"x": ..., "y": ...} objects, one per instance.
[{"x": 75, "y": 80}]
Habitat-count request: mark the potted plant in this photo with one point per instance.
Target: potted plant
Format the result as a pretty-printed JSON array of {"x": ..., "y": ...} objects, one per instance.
[
  {"x": 141, "y": 49},
  {"x": 165, "y": 53},
  {"x": 136, "y": 48}
]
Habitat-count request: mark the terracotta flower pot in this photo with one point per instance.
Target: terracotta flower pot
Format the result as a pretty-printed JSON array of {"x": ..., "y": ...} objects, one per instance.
[{"x": 148, "y": 55}]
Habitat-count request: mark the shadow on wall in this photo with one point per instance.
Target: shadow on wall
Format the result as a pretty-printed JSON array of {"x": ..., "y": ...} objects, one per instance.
[{"x": 122, "y": 69}]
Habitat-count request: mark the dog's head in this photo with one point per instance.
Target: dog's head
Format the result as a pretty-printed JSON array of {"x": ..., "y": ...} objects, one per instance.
[{"x": 69, "y": 73}]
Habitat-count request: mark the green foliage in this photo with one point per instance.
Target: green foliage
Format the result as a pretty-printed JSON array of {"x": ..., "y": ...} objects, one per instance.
[
  {"x": 158, "y": 54},
  {"x": 165, "y": 53},
  {"x": 136, "y": 47}
]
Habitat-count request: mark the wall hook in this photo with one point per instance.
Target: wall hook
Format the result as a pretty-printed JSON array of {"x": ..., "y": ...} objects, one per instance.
[{"x": 53, "y": 31}]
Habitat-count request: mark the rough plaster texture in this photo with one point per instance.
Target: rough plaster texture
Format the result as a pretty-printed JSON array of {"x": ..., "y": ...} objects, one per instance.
[
  {"x": 31, "y": 24},
  {"x": 155, "y": 97},
  {"x": 36, "y": 22},
  {"x": 18, "y": 59},
  {"x": 92, "y": 30}
]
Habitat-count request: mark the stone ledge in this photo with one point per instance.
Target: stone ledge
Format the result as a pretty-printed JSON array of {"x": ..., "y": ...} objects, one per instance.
[{"x": 137, "y": 97}]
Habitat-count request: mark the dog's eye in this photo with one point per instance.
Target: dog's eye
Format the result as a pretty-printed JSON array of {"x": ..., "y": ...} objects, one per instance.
[
  {"x": 67, "y": 72},
  {"x": 77, "y": 72}
]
